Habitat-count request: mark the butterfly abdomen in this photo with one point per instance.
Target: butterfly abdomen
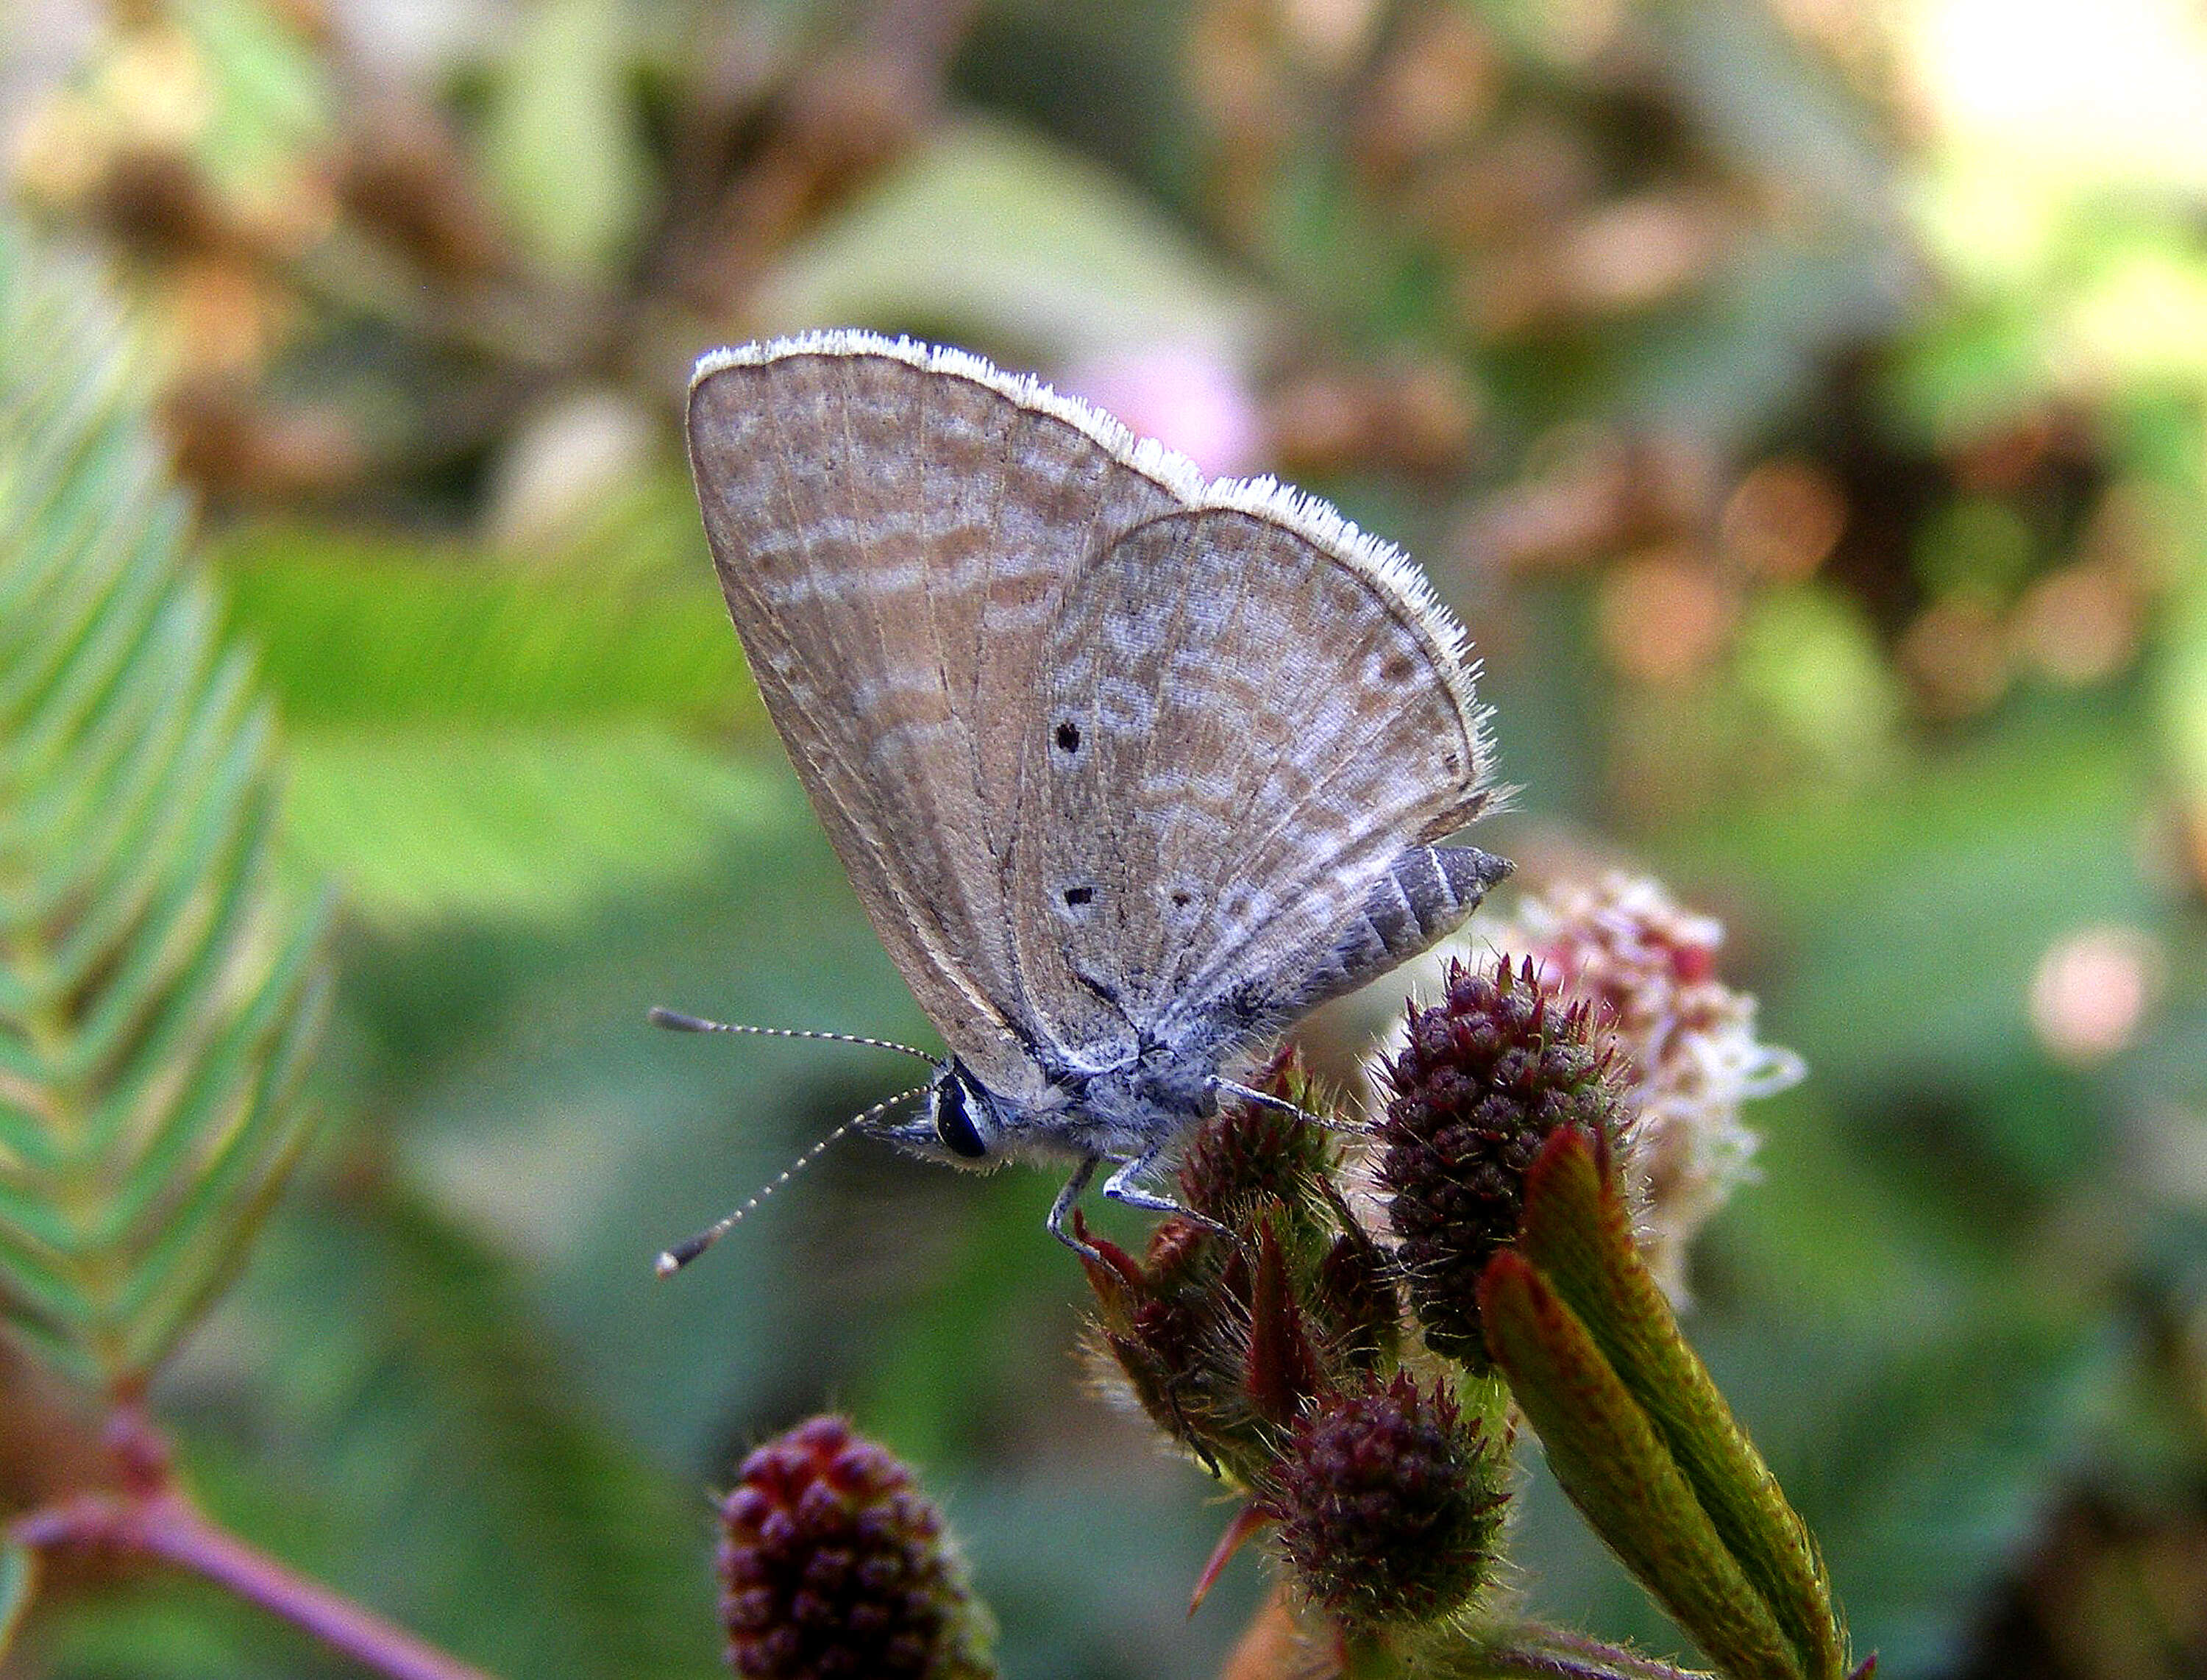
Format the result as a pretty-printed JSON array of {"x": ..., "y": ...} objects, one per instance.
[{"x": 1428, "y": 894}]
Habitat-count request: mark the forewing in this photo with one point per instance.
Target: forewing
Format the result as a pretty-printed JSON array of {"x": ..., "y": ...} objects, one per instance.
[
  {"x": 894, "y": 528},
  {"x": 1255, "y": 711}
]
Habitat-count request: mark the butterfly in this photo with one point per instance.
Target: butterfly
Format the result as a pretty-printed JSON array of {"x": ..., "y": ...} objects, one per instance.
[{"x": 1130, "y": 768}]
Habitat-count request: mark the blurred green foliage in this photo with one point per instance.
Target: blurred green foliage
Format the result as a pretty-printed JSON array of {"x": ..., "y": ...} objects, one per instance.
[{"x": 1807, "y": 405}]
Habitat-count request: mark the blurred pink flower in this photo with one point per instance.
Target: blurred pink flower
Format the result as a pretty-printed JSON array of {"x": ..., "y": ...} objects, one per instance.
[
  {"x": 1192, "y": 399},
  {"x": 2091, "y": 990}
]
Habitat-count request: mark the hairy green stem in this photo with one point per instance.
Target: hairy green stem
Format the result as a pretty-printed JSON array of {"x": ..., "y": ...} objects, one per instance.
[{"x": 1551, "y": 1653}]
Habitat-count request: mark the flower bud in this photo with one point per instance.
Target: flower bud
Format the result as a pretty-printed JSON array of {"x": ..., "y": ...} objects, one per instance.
[
  {"x": 1685, "y": 1044},
  {"x": 833, "y": 1567},
  {"x": 1485, "y": 1078},
  {"x": 1244, "y": 1154},
  {"x": 1208, "y": 1334},
  {"x": 1162, "y": 1325},
  {"x": 1222, "y": 1334},
  {"x": 1355, "y": 1299},
  {"x": 1388, "y": 1504}
]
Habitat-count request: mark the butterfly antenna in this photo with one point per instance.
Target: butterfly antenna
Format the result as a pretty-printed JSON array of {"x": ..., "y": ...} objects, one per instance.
[
  {"x": 675, "y": 1021},
  {"x": 674, "y": 1259},
  {"x": 1264, "y": 1099}
]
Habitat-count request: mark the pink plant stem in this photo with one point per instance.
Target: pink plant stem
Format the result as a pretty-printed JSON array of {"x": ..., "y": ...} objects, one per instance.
[
  {"x": 1569, "y": 1656},
  {"x": 165, "y": 1526}
]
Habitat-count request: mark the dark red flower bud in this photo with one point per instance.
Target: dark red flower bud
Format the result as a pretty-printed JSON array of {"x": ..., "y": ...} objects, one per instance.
[
  {"x": 1685, "y": 1044},
  {"x": 1389, "y": 1504},
  {"x": 1223, "y": 1334},
  {"x": 1355, "y": 1299},
  {"x": 1246, "y": 1154},
  {"x": 1177, "y": 1326},
  {"x": 1485, "y": 1078},
  {"x": 1283, "y": 1370},
  {"x": 832, "y": 1566}
]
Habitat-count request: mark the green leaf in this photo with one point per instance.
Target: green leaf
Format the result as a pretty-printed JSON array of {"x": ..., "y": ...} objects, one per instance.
[
  {"x": 159, "y": 988},
  {"x": 536, "y": 824},
  {"x": 1578, "y": 1233},
  {"x": 19, "y": 1585},
  {"x": 1609, "y": 1458},
  {"x": 625, "y": 625}
]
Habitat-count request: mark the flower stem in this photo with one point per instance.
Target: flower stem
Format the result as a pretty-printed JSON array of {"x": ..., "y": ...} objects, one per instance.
[
  {"x": 1552, "y": 1653},
  {"x": 165, "y": 1525}
]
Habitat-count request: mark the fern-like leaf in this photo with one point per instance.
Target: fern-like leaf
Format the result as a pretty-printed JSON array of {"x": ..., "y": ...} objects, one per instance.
[{"x": 158, "y": 990}]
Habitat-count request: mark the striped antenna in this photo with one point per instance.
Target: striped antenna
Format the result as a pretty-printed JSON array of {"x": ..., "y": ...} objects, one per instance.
[
  {"x": 674, "y": 1021},
  {"x": 674, "y": 1259}
]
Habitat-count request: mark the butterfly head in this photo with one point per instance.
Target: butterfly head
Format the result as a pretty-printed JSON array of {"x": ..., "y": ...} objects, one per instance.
[{"x": 957, "y": 1124}]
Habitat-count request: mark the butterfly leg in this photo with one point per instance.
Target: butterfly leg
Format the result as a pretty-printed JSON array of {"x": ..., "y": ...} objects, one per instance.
[
  {"x": 1123, "y": 1188},
  {"x": 1264, "y": 1099},
  {"x": 1061, "y": 1211}
]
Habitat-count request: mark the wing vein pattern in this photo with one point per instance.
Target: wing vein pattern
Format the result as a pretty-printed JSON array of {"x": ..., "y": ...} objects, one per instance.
[{"x": 1100, "y": 743}]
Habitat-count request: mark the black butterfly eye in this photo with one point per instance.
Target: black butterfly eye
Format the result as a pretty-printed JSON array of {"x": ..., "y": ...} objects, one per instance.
[{"x": 954, "y": 1126}]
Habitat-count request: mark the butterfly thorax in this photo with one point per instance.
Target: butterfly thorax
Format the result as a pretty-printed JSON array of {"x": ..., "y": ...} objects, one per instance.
[
  {"x": 1060, "y": 1110},
  {"x": 1126, "y": 1111}
]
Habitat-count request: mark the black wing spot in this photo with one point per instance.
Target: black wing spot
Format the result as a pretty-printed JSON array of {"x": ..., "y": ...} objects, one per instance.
[
  {"x": 1077, "y": 896},
  {"x": 1068, "y": 737},
  {"x": 1182, "y": 899}
]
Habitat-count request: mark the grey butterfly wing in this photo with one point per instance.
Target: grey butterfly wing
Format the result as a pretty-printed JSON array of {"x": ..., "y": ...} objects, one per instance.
[
  {"x": 893, "y": 529},
  {"x": 1256, "y": 714}
]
